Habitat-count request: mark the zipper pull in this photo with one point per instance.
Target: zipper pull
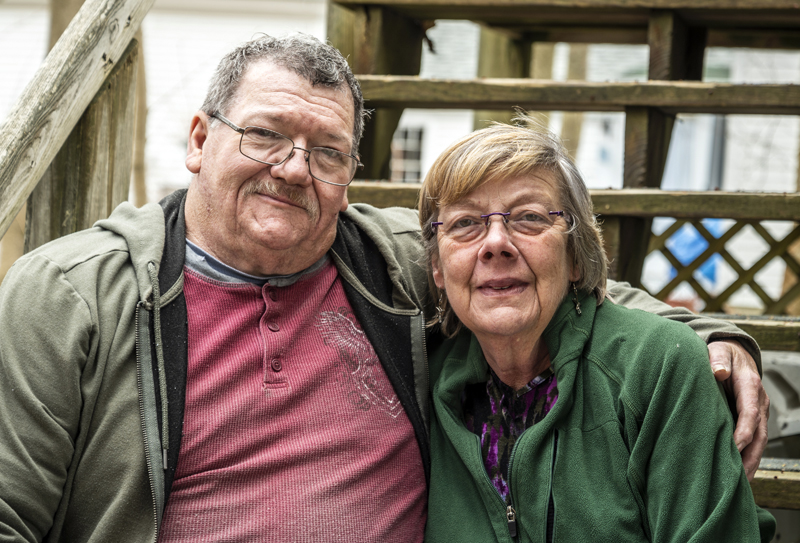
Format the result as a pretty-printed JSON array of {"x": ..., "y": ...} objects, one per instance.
[{"x": 511, "y": 515}]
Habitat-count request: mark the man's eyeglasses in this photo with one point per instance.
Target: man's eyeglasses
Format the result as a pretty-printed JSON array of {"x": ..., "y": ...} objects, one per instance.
[
  {"x": 532, "y": 220},
  {"x": 269, "y": 147}
]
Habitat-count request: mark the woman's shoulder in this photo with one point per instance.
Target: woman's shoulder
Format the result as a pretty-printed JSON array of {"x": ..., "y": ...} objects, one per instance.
[{"x": 634, "y": 341}]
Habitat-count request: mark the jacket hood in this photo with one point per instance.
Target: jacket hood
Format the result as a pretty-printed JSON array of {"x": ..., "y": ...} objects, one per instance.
[
  {"x": 143, "y": 231},
  {"x": 397, "y": 236}
]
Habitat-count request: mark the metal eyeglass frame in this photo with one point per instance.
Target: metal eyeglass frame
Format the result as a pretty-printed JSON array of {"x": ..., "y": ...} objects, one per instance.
[
  {"x": 240, "y": 130},
  {"x": 435, "y": 225}
]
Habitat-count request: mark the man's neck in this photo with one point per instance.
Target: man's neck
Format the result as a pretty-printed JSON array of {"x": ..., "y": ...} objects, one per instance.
[{"x": 202, "y": 262}]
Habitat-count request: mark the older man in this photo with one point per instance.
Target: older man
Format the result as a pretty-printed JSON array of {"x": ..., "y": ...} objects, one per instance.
[{"x": 245, "y": 361}]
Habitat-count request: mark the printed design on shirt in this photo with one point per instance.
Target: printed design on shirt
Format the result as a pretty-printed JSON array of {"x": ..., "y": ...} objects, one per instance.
[{"x": 358, "y": 365}]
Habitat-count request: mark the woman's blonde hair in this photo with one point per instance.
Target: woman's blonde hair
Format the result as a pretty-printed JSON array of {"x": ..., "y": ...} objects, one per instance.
[{"x": 503, "y": 151}]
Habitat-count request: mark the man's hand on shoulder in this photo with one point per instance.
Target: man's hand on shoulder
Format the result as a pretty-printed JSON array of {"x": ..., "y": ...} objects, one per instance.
[{"x": 735, "y": 368}]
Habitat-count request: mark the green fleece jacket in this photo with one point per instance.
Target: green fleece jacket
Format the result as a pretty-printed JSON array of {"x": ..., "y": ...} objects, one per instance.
[{"x": 638, "y": 446}]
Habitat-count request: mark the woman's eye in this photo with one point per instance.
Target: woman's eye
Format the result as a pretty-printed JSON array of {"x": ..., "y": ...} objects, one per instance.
[
  {"x": 531, "y": 217},
  {"x": 465, "y": 222}
]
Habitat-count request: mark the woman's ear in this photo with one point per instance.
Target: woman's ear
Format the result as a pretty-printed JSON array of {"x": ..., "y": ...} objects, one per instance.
[
  {"x": 438, "y": 276},
  {"x": 574, "y": 273}
]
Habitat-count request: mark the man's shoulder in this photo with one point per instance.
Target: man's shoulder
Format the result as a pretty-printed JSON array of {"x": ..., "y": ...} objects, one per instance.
[
  {"x": 127, "y": 230},
  {"x": 390, "y": 220}
]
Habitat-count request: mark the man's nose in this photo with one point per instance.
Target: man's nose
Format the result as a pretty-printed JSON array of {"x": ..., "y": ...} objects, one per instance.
[{"x": 294, "y": 170}]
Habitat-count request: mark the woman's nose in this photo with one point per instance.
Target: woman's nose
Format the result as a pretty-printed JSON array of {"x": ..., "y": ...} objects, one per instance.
[{"x": 497, "y": 241}]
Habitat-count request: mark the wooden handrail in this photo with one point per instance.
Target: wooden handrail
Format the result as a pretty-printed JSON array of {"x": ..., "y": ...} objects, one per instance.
[{"x": 55, "y": 99}]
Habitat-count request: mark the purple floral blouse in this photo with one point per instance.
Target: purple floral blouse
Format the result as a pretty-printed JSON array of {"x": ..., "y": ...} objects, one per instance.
[{"x": 499, "y": 415}]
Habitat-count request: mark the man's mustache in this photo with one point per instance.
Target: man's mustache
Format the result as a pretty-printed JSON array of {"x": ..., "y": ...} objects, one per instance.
[{"x": 280, "y": 190}]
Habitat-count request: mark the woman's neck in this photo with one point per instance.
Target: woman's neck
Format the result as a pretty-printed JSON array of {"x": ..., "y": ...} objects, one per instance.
[{"x": 516, "y": 361}]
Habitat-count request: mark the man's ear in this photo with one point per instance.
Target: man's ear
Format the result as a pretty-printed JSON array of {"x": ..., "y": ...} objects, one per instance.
[
  {"x": 198, "y": 132},
  {"x": 345, "y": 203}
]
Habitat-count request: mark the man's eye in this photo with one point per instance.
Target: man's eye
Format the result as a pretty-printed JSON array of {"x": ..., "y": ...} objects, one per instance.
[{"x": 263, "y": 134}]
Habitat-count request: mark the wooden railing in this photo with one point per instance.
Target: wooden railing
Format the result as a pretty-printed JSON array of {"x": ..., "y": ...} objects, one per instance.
[{"x": 81, "y": 93}]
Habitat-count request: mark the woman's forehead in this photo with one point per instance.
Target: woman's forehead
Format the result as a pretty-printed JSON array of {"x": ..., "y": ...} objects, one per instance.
[{"x": 536, "y": 187}]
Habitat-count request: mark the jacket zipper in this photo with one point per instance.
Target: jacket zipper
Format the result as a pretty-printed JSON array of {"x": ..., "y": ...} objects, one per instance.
[
  {"x": 147, "y": 458},
  {"x": 551, "y": 506}
]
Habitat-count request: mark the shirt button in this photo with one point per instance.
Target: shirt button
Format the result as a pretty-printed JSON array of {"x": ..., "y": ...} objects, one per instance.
[
  {"x": 276, "y": 365},
  {"x": 272, "y": 295},
  {"x": 273, "y": 326}
]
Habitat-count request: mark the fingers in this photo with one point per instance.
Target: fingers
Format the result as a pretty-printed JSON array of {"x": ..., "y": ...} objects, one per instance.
[
  {"x": 752, "y": 404},
  {"x": 751, "y": 455},
  {"x": 720, "y": 354}
]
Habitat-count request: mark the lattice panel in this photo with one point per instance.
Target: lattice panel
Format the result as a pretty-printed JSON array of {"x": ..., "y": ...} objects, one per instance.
[{"x": 745, "y": 276}]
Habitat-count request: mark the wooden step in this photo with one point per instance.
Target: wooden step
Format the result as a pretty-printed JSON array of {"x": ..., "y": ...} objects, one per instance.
[
  {"x": 777, "y": 483},
  {"x": 385, "y": 91},
  {"x": 520, "y": 14}
]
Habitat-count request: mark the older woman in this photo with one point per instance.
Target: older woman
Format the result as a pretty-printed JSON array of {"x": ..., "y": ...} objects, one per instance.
[{"x": 558, "y": 415}]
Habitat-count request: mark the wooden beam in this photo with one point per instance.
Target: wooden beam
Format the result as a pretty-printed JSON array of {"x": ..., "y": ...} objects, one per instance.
[
  {"x": 91, "y": 173},
  {"x": 55, "y": 99},
  {"x": 776, "y": 489},
  {"x": 669, "y": 96},
  {"x": 376, "y": 40},
  {"x": 648, "y": 203},
  {"x": 500, "y": 54},
  {"x": 698, "y": 205},
  {"x": 575, "y": 4}
]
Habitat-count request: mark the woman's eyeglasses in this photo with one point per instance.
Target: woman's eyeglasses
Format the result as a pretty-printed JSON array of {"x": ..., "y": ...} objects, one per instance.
[{"x": 525, "y": 221}]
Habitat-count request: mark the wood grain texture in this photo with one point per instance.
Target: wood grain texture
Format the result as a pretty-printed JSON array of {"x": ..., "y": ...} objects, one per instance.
[
  {"x": 669, "y": 96},
  {"x": 776, "y": 489},
  {"x": 647, "y": 4},
  {"x": 55, "y": 99},
  {"x": 91, "y": 173},
  {"x": 627, "y": 202},
  {"x": 377, "y": 41},
  {"x": 500, "y": 54},
  {"x": 521, "y": 14}
]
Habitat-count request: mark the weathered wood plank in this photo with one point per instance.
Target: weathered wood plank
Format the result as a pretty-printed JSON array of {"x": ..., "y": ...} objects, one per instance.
[
  {"x": 91, "y": 173},
  {"x": 771, "y": 334},
  {"x": 779, "y": 206},
  {"x": 669, "y": 96},
  {"x": 384, "y": 194},
  {"x": 780, "y": 14},
  {"x": 698, "y": 205},
  {"x": 773, "y": 38},
  {"x": 630, "y": 4},
  {"x": 55, "y": 99},
  {"x": 776, "y": 489},
  {"x": 376, "y": 40},
  {"x": 501, "y": 54}
]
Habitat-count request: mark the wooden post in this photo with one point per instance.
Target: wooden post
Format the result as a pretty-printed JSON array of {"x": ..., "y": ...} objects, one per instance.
[
  {"x": 648, "y": 130},
  {"x": 91, "y": 173},
  {"x": 138, "y": 179},
  {"x": 501, "y": 54},
  {"x": 376, "y": 40},
  {"x": 573, "y": 120}
]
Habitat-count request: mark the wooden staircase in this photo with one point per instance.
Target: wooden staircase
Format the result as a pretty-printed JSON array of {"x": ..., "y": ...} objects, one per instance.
[{"x": 383, "y": 41}]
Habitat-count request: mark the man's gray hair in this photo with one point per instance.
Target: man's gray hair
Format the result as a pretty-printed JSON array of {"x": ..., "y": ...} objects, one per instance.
[{"x": 305, "y": 55}]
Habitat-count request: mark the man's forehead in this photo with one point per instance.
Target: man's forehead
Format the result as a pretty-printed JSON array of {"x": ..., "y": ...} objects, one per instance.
[{"x": 270, "y": 90}]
